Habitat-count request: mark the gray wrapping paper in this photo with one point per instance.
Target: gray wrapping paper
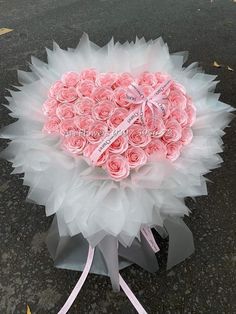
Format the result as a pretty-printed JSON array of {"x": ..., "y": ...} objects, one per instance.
[
  {"x": 110, "y": 257},
  {"x": 181, "y": 243},
  {"x": 109, "y": 248},
  {"x": 71, "y": 252}
]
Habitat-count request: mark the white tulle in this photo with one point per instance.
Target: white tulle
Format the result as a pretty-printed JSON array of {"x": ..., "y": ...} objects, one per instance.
[{"x": 81, "y": 197}]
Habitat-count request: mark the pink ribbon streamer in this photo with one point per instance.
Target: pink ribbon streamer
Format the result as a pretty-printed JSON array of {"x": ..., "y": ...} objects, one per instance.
[
  {"x": 79, "y": 284},
  {"x": 147, "y": 232},
  {"x": 135, "y": 96},
  {"x": 131, "y": 296},
  {"x": 82, "y": 279}
]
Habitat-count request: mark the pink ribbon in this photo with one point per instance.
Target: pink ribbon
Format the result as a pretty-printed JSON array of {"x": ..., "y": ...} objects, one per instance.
[
  {"x": 131, "y": 296},
  {"x": 147, "y": 233},
  {"x": 135, "y": 96},
  {"x": 82, "y": 279},
  {"x": 79, "y": 284}
]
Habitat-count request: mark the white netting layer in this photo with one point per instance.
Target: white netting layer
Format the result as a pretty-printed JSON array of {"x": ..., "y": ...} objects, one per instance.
[{"x": 69, "y": 187}]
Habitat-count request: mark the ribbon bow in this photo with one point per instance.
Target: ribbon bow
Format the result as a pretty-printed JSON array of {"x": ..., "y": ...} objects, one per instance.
[{"x": 135, "y": 95}]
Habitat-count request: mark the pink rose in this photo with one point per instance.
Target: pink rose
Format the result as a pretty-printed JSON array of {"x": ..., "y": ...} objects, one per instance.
[
  {"x": 162, "y": 111},
  {"x": 85, "y": 88},
  {"x": 74, "y": 144},
  {"x": 147, "y": 90},
  {"x": 157, "y": 126},
  {"x": 191, "y": 113},
  {"x": 88, "y": 74},
  {"x": 173, "y": 150},
  {"x": 156, "y": 146},
  {"x": 51, "y": 125},
  {"x": 151, "y": 117},
  {"x": 147, "y": 78},
  {"x": 136, "y": 157},
  {"x": 117, "y": 117},
  {"x": 50, "y": 107},
  {"x": 68, "y": 127},
  {"x": 117, "y": 167},
  {"x": 65, "y": 111},
  {"x": 97, "y": 131},
  {"x": 102, "y": 93},
  {"x": 70, "y": 79},
  {"x": 180, "y": 116},
  {"x": 83, "y": 123},
  {"x": 119, "y": 145},
  {"x": 177, "y": 100},
  {"x": 55, "y": 88},
  {"x": 101, "y": 160},
  {"x": 166, "y": 93},
  {"x": 138, "y": 136},
  {"x": 161, "y": 77},
  {"x": 103, "y": 110},
  {"x": 179, "y": 87},
  {"x": 132, "y": 108},
  {"x": 120, "y": 97},
  {"x": 67, "y": 94},
  {"x": 173, "y": 131},
  {"x": 106, "y": 79},
  {"x": 187, "y": 135},
  {"x": 124, "y": 80},
  {"x": 84, "y": 106}
]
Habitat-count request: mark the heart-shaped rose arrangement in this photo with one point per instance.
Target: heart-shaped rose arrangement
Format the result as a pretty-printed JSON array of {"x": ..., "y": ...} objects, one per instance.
[{"x": 85, "y": 108}]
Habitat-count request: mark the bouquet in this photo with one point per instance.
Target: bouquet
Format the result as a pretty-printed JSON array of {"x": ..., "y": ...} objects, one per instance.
[{"x": 112, "y": 140}]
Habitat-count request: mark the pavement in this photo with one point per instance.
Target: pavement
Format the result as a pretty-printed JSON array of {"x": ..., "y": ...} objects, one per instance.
[{"x": 204, "y": 283}]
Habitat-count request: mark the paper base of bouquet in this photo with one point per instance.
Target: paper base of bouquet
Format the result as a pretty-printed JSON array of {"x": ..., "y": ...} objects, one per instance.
[{"x": 110, "y": 256}]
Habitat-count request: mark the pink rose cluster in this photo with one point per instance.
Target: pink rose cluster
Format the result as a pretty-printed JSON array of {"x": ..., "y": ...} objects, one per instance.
[{"x": 83, "y": 108}]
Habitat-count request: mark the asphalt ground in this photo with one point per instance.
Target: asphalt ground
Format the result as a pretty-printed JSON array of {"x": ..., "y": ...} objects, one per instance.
[{"x": 204, "y": 283}]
